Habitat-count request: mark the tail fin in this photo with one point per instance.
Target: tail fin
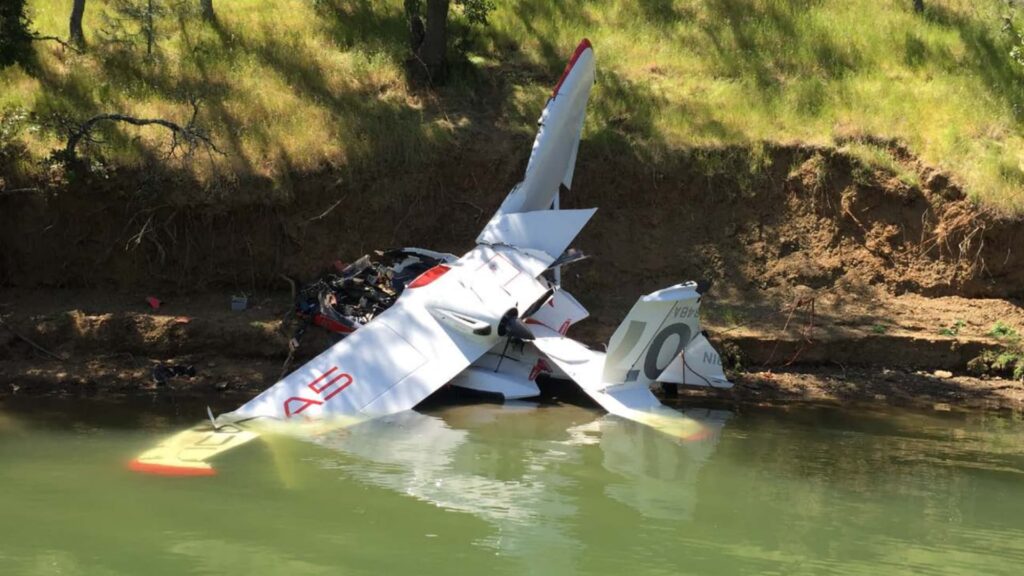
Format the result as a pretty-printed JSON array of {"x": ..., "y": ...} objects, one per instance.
[
  {"x": 659, "y": 329},
  {"x": 553, "y": 158},
  {"x": 698, "y": 365}
]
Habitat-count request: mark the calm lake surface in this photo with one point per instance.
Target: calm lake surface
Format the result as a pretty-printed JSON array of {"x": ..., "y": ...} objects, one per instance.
[{"x": 490, "y": 489}]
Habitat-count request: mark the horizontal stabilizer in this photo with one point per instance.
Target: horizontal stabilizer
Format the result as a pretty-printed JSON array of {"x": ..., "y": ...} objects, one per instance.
[
  {"x": 633, "y": 402},
  {"x": 698, "y": 365},
  {"x": 544, "y": 234}
]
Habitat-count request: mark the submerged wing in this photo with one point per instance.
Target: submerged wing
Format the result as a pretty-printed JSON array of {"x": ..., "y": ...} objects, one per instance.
[
  {"x": 387, "y": 366},
  {"x": 185, "y": 453},
  {"x": 447, "y": 318},
  {"x": 553, "y": 158}
]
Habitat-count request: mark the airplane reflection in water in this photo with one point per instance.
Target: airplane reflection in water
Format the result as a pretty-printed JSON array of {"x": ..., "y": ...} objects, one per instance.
[{"x": 510, "y": 464}]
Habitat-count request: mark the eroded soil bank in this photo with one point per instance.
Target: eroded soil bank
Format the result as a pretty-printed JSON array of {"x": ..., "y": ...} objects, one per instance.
[{"x": 833, "y": 280}]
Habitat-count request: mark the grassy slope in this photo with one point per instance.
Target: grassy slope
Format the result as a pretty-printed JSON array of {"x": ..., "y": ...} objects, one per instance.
[{"x": 295, "y": 84}]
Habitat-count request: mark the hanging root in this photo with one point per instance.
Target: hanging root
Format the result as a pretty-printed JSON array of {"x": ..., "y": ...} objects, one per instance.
[{"x": 806, "y": 332}]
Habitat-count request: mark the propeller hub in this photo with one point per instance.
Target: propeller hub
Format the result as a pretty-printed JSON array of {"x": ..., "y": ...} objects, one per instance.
[{"x": 512, "y": 327}]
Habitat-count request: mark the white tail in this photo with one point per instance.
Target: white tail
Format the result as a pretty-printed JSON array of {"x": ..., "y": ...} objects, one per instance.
[
  {"x": 661, "y": 327},
  {"x": 657, "y": 330},
  {"x": 698, "y": 365}
]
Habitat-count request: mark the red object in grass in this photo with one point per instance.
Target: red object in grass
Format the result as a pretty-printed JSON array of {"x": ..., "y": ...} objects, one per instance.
[{"x": 153, "y": 302}]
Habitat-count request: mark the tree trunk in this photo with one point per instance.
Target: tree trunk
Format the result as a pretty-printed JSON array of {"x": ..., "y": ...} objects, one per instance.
[
  {"x": 919, "y": 6},
  {"x": 76, "y": 35},
  {"x": 416, "y": 28},
  {"x": 208, "y": 13},
  {"x": 149, "y": 29},
  {"x": 434, "y": 50}
]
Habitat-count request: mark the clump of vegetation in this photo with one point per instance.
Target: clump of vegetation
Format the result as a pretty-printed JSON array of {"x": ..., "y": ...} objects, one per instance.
[
  {"x": 879, "y": 329},
  {"x": 1002, "y": 362},
  {"x": 953, "y": 329},
  {"x": 1007, "y": 359},
  {"x": 1002, "y": 331},
  {"x": 15, "y": 38},
  {"x": 874, "y": 157},
  {"x": 731, "y": 356}
]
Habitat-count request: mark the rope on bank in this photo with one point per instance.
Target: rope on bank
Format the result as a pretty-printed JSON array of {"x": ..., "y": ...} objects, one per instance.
[{"x": 806, "y": 333}]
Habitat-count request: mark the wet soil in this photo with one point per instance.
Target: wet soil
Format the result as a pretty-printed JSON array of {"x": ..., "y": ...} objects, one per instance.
[
  {"x": 90, "y": 342},
  {"x": 832, "y": 280}
]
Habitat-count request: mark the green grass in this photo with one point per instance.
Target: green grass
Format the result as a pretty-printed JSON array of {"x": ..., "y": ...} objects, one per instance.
[
  {"x": 292, "y": 85},
  {"x": 1002, "y": 331},
  {"x": 953, "y": 329},
  {"x": 880, "y": 158}
]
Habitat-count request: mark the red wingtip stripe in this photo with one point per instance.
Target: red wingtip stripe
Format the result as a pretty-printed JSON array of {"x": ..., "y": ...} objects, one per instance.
[
  {"x": 429, "y": 276},
  {"x": 583, "y": 46},
  {"x": 167, "y": 470}
]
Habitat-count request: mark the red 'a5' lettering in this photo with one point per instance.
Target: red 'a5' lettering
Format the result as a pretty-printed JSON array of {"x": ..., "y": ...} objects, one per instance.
[
  {"x": 328, "y": 385},
  {"x": 339, "y": 382},
  {"x": 302, "y": 403}
]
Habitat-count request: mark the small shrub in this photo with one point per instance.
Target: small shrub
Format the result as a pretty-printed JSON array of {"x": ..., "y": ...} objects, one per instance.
[
  {"x": 953, "y": 329},
  {"x": 732, "y": 358},
  {"x": 1002, "y": 331}
]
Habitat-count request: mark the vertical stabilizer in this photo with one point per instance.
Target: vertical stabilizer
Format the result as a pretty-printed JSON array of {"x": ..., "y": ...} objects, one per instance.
[
  {"x": 657, "y": 329},
  {"x": 553, "y": 158}
]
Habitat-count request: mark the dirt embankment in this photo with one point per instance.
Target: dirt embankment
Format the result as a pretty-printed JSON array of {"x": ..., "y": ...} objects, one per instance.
[{"x": 818, "y": 260}]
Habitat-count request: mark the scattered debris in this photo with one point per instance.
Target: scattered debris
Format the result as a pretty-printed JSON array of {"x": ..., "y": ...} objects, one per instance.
[
  {"x": 239, "y": 303},
  {"x": 164, "y": 372}
]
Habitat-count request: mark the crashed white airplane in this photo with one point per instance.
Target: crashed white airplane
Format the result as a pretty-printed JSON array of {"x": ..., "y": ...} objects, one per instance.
[{"x": 454, "y": 324}]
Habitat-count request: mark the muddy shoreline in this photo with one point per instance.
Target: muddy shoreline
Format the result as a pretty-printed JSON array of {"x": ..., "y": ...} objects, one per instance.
[
  {"x": 227, "y": 382},
  {"x": 834, "y": 281},
  {"x": 101, "y": 344}
]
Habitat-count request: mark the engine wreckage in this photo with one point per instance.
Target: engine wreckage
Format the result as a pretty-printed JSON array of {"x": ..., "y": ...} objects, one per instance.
[
  {"x": 492, "y": 321},
  {"x": 343, "y": 301}
]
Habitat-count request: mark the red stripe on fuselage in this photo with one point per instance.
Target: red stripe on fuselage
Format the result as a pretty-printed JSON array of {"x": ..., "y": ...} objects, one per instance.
[{"x": 429, "y": 276}]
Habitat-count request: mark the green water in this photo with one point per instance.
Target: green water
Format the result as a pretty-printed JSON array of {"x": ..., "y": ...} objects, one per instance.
[{"x": 518, "y": 490}]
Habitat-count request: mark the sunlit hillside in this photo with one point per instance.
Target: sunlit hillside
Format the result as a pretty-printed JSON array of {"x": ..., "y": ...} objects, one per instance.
[{"x": 295, "y": 85}]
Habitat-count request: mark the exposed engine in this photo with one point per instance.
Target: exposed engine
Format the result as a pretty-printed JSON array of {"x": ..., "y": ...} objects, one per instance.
[{"x": 343, "y": 301}]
